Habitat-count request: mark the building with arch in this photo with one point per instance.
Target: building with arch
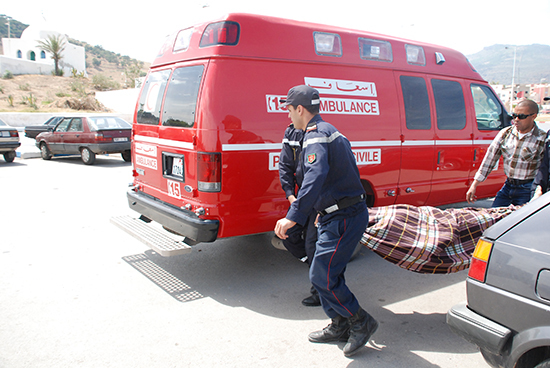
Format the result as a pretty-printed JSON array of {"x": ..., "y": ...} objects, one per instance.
[{"x": 24, "y": 56}]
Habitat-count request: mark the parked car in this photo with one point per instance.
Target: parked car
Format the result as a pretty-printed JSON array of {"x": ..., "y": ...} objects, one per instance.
[
  {"x": 507, "y": 313},
  {"x": 87, "y": 136},
  {"x": 32, "y": 131},
  {"x": 9, "y": 141}
]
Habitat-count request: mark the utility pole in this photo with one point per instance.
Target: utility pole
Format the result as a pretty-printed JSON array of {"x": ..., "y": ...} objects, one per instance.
[{"x": 513, "y": 76}]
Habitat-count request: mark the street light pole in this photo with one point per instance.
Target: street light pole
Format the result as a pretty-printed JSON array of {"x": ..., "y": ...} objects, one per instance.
[{"x": 513, "y": 77}]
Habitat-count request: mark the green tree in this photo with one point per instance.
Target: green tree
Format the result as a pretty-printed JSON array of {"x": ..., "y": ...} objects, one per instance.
[{"x": 55, "y": 45}]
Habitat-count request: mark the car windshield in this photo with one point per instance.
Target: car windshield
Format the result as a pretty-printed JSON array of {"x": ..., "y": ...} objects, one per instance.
[
  {"x": 2, "y": 123},
  {"x": 102, "y": 123}
]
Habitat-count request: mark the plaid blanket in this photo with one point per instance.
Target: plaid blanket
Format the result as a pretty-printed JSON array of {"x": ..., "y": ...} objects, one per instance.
[{"x": 428, "y": 239}]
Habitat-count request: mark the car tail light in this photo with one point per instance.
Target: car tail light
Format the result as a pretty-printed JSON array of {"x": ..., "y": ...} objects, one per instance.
[
  {"x": 99, "y": 137},
  {"x": 14, "y": 134},
  {"x": 221, "y": 33},
  {"x": 209, "y": 172},
  {"x": 480, "y": 259}
]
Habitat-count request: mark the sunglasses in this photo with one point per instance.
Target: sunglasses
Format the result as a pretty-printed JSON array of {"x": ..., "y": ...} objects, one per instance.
[{"x": 520, "y": 116}]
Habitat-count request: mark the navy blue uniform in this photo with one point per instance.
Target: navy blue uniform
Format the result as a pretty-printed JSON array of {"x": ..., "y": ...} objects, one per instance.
[
  {"x": 301, "y": 239},
  {"x": 331, "y": 178}
]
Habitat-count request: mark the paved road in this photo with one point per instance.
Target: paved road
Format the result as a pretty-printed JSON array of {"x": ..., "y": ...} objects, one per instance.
[{"x": 76, "y": 291}]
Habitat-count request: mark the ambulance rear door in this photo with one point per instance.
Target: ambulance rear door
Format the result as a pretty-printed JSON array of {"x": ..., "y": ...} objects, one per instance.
[{"x": 165, "y": 130}]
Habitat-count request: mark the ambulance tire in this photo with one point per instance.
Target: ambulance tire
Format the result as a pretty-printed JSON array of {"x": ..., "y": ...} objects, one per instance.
[
  {"x": 127, "y": 156},
  {"x": 88, "y": 157}
]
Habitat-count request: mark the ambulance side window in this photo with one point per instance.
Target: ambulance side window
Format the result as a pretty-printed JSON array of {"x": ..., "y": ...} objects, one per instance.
[
  {"x": 181, "y": 97},
  {"x": 449, "y": 104},
  {"x": 417, "y": 104},
  {"x": 151, "y": 98},
  {"x": 489, "y": 112}
]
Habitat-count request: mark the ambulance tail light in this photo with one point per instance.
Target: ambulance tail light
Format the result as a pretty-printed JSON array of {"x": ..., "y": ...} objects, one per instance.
[
  {"x": 480, "y": 260},
  {"x": 209, "y": 172},
  {"x": 221, "y": 33}
]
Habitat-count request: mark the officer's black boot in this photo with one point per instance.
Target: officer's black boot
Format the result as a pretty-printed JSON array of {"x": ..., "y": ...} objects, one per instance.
[
  {"x": 362, "y": 327},
  {"x": 338, "y": 330},
  {"x": 313, "y": 300}
]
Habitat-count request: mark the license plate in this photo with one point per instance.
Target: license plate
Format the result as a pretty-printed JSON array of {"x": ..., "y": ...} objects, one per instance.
[
  {"x": 4, "y": 134},
  {"x": 123, "y": 139},
  {"x": 177, "y": 167}
]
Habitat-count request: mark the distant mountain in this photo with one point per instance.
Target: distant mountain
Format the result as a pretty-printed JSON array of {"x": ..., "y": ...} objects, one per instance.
[{"x": 495, "y": 64}]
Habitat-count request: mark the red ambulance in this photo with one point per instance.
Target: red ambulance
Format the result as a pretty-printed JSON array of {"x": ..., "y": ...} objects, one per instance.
[{"x": 208, "y": 124}]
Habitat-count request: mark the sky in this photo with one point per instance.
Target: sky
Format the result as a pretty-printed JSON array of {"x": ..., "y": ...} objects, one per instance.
[{"x": 138, "y": 28}]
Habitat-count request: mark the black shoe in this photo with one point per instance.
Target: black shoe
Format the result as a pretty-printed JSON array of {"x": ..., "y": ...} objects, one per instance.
[
  {"x": 338, "y": 330},
  {"x": 313, "y": 300},
  {"x": 362, "y": 327}
]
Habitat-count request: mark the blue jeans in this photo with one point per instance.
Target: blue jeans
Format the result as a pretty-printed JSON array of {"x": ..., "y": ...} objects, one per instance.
[
  {"x": 337, "y": 239},
  {"x": 513, "y": 194}
]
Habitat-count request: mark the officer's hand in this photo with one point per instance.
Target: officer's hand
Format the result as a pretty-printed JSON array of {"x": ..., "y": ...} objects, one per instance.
[{"x": 282, "y": 226}]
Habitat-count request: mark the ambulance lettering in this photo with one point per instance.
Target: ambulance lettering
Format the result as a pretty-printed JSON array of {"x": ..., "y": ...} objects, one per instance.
[
  {"x": 349, "y": 107},
  {"x": 274, "y": 160},
  {"x": 367, "y": 156},
  {"x": 327, "y": 86},
  {"x": 151, "y": 163},
  {"x": 145, "y": 149},
  {"x": 362, "y": 157},
  {"x": 173, "y": 188}
]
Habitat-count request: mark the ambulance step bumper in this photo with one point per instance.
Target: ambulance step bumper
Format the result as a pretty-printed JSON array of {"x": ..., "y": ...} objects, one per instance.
[{"x": 155, "y": 239}]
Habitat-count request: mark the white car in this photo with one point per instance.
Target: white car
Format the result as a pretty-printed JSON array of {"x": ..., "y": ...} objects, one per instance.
[{"x": 9, "y": 141}]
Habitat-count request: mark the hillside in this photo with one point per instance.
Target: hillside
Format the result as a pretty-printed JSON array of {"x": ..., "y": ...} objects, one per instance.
[
  {"x": 105, "y": 70},
  {"x": 495, "y": 63}
]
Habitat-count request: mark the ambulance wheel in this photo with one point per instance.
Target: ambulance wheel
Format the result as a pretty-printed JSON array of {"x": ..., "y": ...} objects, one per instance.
[
  {"x": 127, "y": 156},
  {"x": 9, "y": 156},
  {"x": 88, "y": 157},
  {"x": 356, "y": 251},
  {"x": 45, "y": 151}
]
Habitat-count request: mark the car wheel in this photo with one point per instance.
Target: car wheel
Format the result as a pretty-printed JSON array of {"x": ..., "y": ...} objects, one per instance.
[
  {"x": 88, "y": 157},
  {"x": 127, "y": 156},
  {"x": 45, "y": 151},
  {"x": 545, "y": 364},
  {"x": 9, "y": 156}
]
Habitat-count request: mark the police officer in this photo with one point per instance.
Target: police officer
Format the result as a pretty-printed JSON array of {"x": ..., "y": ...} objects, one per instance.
[
  {"x": 331, "y": 186},
  {"x": 301, "y": 239}
]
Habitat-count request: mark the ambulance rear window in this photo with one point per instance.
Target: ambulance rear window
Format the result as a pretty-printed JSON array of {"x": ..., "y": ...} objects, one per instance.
[
  {"x": 151, "y": 97},
  {"x": 181, "y": 97},
  {"x": 375, "y": 50}
]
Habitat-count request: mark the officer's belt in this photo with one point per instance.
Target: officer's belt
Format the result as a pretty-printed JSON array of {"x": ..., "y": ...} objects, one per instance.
[{"x": 341, "y": 204}]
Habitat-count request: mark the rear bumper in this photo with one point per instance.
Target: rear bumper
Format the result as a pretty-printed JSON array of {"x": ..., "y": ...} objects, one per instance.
[
  {"x": 183, "y": 222},
  {"x": 110, "y": 147},
  {"x": 9, "y": 146},
  {"x": 483, "y": 332}
]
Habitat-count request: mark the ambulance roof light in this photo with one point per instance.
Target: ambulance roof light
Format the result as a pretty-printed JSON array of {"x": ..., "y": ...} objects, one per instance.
[
  {"x": 375, "y": 50},
  {"x": 220, "y": 33},
  {"x": 415, "y": 55},
  {"x": 328, "y": 44}
]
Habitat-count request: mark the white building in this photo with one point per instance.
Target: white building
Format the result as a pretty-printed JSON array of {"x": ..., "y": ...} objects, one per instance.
[{"x": 24, "y": 56}]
